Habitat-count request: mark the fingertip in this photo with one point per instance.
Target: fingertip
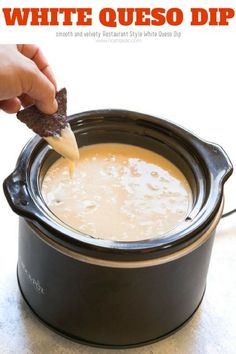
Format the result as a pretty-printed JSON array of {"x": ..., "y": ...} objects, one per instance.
[
  {"x": 50, "y": 75},
  {"x": 47, "y": 108},
  {"x": 13, "y": 105},
  {"x": 54, "y": 106},
  {"x": 41, "y": 90}
]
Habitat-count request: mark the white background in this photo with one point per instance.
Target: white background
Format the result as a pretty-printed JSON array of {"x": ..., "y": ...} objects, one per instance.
[{"x": 191, "y": 81}]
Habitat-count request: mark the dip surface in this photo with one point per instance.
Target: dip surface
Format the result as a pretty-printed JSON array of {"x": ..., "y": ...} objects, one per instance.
[{"x": 118, "y": 192}]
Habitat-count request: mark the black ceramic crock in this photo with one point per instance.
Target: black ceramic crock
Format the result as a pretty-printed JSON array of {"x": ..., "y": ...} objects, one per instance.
[{"x": 107, "y": 293}]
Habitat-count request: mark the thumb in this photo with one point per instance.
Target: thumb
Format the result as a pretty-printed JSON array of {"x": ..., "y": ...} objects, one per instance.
[{"x": 40, "y": 89}]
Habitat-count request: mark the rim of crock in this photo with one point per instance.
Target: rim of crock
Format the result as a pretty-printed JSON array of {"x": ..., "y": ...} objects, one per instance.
[
  {"x": 143, "y": 263},
  {"x": 208, "y": 162}
]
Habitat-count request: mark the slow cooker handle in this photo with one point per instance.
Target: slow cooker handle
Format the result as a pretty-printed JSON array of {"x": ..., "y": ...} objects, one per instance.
[
  {"x": 218, "y": 161},
  {"x": 18, "y": 196}
]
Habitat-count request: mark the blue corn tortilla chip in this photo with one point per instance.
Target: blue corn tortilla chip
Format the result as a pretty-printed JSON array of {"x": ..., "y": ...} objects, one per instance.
[{"x": 43, "y": 124}]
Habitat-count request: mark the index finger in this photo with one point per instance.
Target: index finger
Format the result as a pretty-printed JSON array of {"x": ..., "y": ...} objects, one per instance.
[{"x": 34, "y": 53}]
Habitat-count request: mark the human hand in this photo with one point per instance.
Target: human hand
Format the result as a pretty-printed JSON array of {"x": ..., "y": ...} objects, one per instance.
[{"x": 26, "y": 78}]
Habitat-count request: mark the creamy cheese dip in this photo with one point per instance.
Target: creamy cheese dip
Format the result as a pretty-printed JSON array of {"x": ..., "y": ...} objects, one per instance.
[
  {"x": 118, "y": 192},
  {"x": 65, "y": 145}
]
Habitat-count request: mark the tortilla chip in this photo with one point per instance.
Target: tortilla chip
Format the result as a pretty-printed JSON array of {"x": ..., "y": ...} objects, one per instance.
[{"x": 43, "y": 124}]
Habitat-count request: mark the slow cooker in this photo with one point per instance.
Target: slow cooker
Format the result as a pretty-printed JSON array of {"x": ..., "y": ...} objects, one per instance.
[{"x": 109, "y": 293}]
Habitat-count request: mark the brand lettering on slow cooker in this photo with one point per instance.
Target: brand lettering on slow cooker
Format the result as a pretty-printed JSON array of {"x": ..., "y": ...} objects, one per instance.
[{"x": 34, "y": 282}]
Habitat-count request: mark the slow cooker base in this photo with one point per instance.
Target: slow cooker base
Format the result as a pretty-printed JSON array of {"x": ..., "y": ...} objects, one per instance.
[{"x": 100, "y": 345}]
